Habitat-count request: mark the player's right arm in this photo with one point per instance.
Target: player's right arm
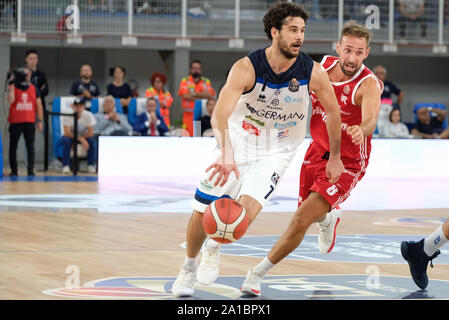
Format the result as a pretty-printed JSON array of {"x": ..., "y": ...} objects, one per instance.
[
  {"x": 320, "y": 84},
  {"x": 240, "y": 79}
]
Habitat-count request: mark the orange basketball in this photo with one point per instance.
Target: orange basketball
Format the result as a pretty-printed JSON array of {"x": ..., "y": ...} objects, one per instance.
[{"x": 225, "y": 220}]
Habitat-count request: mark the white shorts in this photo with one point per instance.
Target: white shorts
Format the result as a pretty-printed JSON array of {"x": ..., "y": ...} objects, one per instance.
[{"x": 258, "y": 180}]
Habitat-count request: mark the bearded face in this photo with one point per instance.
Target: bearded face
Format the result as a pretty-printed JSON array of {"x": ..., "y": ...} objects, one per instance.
[{"x": 290, "y": 38}]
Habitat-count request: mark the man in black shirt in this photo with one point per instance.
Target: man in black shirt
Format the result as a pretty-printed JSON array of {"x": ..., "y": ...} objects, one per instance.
[
  {"x": 428, "y": 127},
  {"x": 389, "y": 87},
  {"x": 85, "y": 87},
  {"x": 38, "y": 78}
]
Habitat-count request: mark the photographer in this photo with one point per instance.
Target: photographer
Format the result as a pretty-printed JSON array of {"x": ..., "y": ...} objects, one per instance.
[{"x": 24, "y": 102}]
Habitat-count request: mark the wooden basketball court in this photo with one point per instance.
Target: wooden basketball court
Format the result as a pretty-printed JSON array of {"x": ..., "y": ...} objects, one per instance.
[{"x": 40, "y": 247}]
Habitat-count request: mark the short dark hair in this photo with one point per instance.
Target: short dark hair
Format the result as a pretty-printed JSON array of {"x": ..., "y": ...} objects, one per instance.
[
  {"x": 31, "y": 51},
  {"x": 195, "y": 61},
  {"x": 275, "y": 17}
]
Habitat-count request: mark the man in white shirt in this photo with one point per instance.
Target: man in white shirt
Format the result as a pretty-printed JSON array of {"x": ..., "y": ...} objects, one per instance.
[{"x": 86, "y": 122}]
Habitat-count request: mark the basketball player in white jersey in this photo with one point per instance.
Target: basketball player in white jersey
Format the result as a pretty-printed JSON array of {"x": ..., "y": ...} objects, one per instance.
[
  {"x": 259, "y": 120},
  {"x": 358, "y": 92}
]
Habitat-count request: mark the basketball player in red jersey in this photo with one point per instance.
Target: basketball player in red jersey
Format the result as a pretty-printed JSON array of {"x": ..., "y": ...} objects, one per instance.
[{"x": 358, "y": 92}]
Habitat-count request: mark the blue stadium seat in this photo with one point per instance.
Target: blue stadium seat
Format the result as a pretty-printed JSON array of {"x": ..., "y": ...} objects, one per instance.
[
  {"x": 199, "y": 110},
  {"x": 433, "y": 105},
  {"x": 62, "y": 105}
]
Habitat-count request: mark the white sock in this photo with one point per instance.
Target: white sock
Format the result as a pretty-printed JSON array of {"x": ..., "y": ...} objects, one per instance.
[
  {"x": 190, "y": 261},
  {"x": 327, "y": 221},
  {"x": 435, "y": 241},
  {"x": 264, "y": 265},
  {"x": 213, "y": 244}
]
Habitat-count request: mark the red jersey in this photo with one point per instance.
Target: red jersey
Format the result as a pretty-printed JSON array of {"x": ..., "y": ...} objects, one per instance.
[
  {"x": 351, "y": 114},
  {"x": 24, "y": 107}
]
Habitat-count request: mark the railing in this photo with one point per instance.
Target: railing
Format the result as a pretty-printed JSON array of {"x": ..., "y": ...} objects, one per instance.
[{"x": 218, "y": 18}]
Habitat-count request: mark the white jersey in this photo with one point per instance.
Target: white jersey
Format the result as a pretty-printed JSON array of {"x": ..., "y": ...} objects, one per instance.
[{"x": 271, "y": 118}]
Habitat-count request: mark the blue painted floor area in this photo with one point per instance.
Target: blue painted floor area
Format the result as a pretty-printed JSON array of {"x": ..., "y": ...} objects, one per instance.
[
  {"x": 356, "y": 248},
  {"x": 51, "y": 178},
  {"x": 288, "y": 287}
]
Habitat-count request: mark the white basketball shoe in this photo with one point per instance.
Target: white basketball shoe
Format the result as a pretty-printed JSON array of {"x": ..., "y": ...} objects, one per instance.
[
  {"x": 210, "y": 262},
  {"x": 251, "y": 285},
  {"x": 327, "y": 235},
  {"x": 184, "y": 283}
]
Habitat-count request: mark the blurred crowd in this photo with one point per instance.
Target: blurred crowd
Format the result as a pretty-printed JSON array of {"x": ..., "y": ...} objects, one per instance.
[{"x": 116, "y": 115}]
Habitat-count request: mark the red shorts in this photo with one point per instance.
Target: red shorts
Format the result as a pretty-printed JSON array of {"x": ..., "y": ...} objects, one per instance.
[{"x": 313, "y": 177}]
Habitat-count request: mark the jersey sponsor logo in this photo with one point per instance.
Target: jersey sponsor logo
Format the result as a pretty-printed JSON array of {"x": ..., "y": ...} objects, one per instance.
[
  {"x": 260, "y": 123},
  {"x": 344, "y": 99},
  {"x": 282, "y": 134},
  {"x": 281, "y": 126},
  {"x": 273, "y": 115},
  {"x": 346, "y": 89},
  {"x": 321, "y": 112},
  {"x": 293, "y": 85},
  {"x": 248, "y": 127},
  {"x": 275, "y": 102},
  {"x": 289, "y": 99}
]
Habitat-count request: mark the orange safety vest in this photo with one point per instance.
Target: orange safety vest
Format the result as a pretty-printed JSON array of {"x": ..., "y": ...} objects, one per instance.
[{"x": 188, "y": 84}]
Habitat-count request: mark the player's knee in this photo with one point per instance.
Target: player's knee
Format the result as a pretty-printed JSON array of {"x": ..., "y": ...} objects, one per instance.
[{"x": 252, "y": 207}]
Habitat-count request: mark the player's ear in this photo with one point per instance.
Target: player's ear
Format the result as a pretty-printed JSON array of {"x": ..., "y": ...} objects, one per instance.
[
  {"x": 337, "y": 48},
  {"x": 274, "y": 32},
  {"x": 367, "y": 51}
]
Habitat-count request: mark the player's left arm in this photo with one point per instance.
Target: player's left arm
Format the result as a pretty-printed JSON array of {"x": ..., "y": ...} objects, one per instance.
[{"x": 368, "y": 98}]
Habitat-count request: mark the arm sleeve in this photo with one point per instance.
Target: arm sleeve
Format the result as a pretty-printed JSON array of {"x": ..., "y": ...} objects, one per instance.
[
  {"x": 73, "y": 89},
  {"x": 183, "y": 89},
  {"x": 44, "y": 81}
]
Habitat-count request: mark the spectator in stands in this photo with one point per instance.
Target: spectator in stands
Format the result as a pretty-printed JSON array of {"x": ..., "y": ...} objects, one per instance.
[
  {"x": 387, "y": 104},
  {"x": 150, "y": 123},
  {"x": 85, "y": 87},
  {"x": 13, "y": 4},
  {"x": 38, "y": 77},
  {"x": 389, "y": 87},
  {"x": 412, "y": 11},
  {"x": 24, "y": 103},
  {"x": 86, "y": 123},
  {"x": 109, "y": 122},
  {"x": 192, "y": 88},
  {"x": 119, "y": 88},
  {"x": 206, "y": 127},
  {"x": 394, "y": 128},
  {"x": 428, "y": 127},
  {"x": 164, "y": 97}
]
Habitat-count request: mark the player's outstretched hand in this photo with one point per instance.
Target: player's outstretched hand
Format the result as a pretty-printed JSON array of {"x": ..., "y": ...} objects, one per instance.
[
  {"x": 334, "y": 169},
  {"x": 223, "y": 169},
  {"x": 356, "y": 134}
]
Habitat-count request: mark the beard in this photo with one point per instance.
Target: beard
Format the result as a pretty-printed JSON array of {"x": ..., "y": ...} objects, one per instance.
[
  {"x": 284, "y": 50},
  {"x": 348, "y": 73}
]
